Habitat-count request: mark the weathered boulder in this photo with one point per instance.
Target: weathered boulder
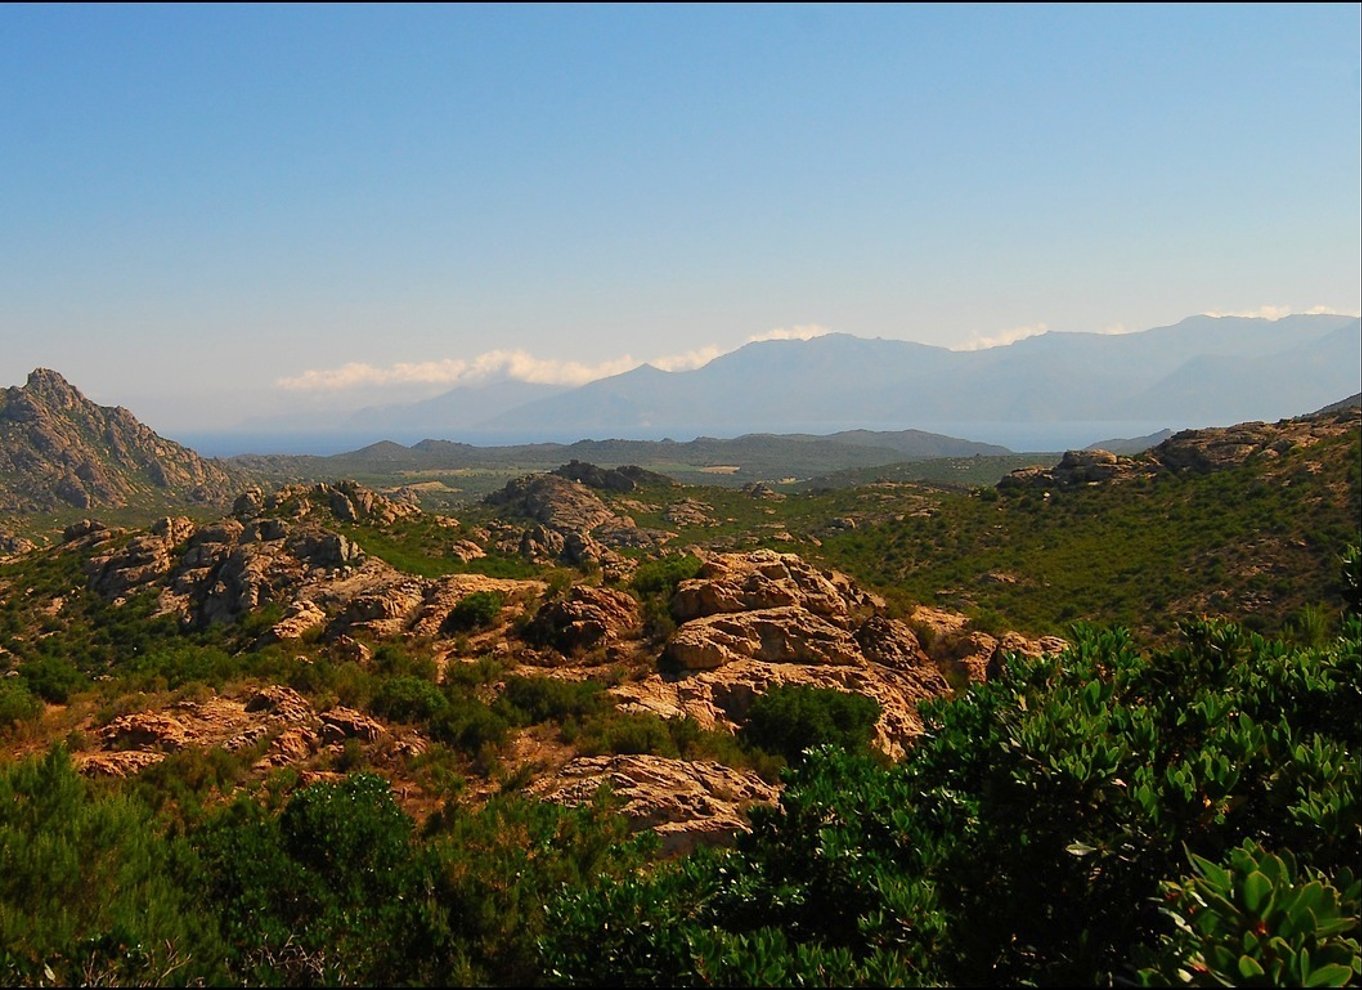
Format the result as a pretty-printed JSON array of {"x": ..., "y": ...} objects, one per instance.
[
  {"x": 299, "y": 618},
  {"x": 584, "y": 618},
  {"x": 766, "y": 579},
  {"x": 686, "y": 802},
  {"x": 145, "y": 730},
  {"x": 342, "y": 723},
  {"x": 787, "y": 634}
]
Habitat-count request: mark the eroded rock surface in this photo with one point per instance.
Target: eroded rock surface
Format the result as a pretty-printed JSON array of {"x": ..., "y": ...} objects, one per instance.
[
  {"x": 751, "y": 621},
  {"x": 685, "y": 802},
  {"x": 584, "y": 618}
]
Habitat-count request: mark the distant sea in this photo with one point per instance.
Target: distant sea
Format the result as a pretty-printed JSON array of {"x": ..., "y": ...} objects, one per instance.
[{"x": 1017, "y": 436}]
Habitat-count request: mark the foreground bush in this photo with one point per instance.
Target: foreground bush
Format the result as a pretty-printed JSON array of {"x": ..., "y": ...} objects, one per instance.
[{"x": 1029, "y": 835}]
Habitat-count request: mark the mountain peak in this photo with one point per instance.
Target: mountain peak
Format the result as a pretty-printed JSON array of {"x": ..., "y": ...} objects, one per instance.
[
  {"x": 50, "y": 386},
  {"x": 59, "y": 448}
]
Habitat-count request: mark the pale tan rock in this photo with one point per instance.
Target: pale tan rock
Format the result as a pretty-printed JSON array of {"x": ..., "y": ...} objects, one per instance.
[
  {"x": 686, "y": 802},
  {"x": 299, "y": 618},
  {"x": 122, "y": 763},
  {"x": 342, "y": 723},
  {"x": 767, "y": 579},
  {"x": 787, "y": 634},
  {"x": 282, "y": 704},
  {"x": 145, "y": 730},
  {"x": 293, "y": 745}
]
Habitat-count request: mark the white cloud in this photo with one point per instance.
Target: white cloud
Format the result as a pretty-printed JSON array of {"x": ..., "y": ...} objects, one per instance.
[
  {"x": 1003, "y": 338},
  {"x": 805, "y": 331},
  {"x": 688, "y": 361},
  {"x": 1115, "y": 330},
  {"x": 518, "y": 364},
  {"x": 1264, "y": 312},
  {"x": 1271, "y": 312}
]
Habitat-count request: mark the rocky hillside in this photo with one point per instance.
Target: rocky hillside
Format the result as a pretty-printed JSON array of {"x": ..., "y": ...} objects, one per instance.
[
  {"x": 58, "y": 449},
  {"x": 1196, "y": 451}
]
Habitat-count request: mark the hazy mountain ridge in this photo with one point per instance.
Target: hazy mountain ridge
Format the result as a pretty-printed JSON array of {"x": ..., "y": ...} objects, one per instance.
[{"x": 1237, "y": 368}]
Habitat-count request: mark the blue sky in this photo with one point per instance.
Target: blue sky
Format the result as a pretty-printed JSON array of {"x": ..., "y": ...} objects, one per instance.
[{"x": 199, "y": 205}]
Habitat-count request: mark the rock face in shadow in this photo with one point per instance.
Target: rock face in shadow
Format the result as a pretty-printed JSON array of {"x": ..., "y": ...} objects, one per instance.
[{"x": 57, "y": 448}]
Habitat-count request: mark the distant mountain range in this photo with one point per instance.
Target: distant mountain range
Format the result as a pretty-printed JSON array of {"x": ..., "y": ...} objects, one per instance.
[
  {"x": 60, "y": 450},
  {"x": 1202, "y": 371}
]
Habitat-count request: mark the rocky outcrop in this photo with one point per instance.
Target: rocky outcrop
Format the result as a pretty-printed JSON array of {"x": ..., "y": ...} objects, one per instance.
[
  {"x": 686, "y": 802},
  {"x": 1191, "y": 451},
  {"x": 220, "y": 572},
  {"x": 568, "y": 521},
  {"x": 584, "y": 618},
  {"x": 788, "y": 634},
  {"x": 751, "y": 621},
  {"x": 59, "y": 449},
  {"x": 948, "y": 639},
  {"x": 277, "y": 717},
  {"x": 626, "y": 478},
  {"x": 766, "y": 579},
  {"x": 12, "y": 545},
  {"x": 145, "y": 559},
  {"x": 690, "y": 512},
  {"x": 1076, "y": 468}
]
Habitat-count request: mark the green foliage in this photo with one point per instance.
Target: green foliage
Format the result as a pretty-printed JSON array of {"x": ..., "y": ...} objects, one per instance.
[
  {"x": 655, "y": 582},
  {"x": 392, "y": 659},
  {"x": 1257, "y": 921},
  {"x": 476, "y": 611},
  {"x": 408, "y": 699},
  {"x": 324, "y": 892},
  {"x": 531, "y": 700},
  {"x": 90, "y": 890},
  {"x": 1350, "y": 577},
  {"x": 52, "y": 678},
  {"x": 665, "y": 574},
  {"x": 17, "y": 703},
  {"x": 467, "y": 723},
  {"x": 1025, "y": 838},
  {"x": 789, "y": 719}
]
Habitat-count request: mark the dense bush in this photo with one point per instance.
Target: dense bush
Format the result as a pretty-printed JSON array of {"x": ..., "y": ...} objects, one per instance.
[
  {"x": 791, "y": 718},
  {"x": 476, "y": 611},
  {"x": 1028, "y": 835},
  {"x": 17, "y": 703},
  {"x": 90, "y": 890}
]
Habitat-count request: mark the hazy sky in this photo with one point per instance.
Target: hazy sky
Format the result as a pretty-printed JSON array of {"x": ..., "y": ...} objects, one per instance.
[{"x": 208, "y": 214}]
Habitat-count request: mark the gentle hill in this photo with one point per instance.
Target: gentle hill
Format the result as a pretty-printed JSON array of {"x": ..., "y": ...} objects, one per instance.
[{"x": 60, "y": 450}]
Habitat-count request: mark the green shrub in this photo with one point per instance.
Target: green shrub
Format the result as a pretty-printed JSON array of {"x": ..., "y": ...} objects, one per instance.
[
  {"x": 408, "y": 699},
  {"x": 790, "y": 718},
  {"x": 476, "y": 611},
  {"x": 392, "y": 659},
  {"x": 91, "y": 891},
  {"x": 468, "y": 724},
  {"x": 1256, "y": 921},
  {"x": 17, "y": 703},
  {"x": 52, "y": 678},
  {"x": 531, "y": 700},
  {"x": 1027, "y": 835}
]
